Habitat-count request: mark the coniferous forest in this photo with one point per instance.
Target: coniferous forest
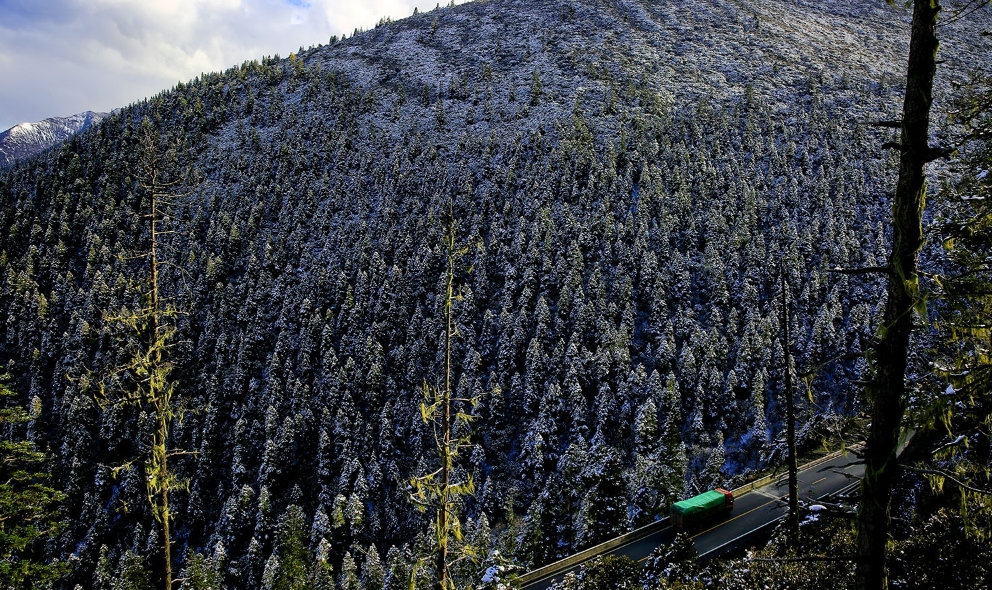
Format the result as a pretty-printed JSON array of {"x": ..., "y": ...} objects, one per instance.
[{"x": 626, "y": 183}]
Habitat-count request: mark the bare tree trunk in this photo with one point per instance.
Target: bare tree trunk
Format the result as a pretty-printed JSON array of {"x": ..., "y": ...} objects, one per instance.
[{"x": 887, "y": 390}]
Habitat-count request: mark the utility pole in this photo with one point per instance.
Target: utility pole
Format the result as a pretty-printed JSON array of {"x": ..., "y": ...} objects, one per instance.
[{"x": 790, "y": 416}]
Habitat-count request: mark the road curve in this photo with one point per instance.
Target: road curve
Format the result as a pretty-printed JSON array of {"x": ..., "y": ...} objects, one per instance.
[{"x": 752, "y": 511}]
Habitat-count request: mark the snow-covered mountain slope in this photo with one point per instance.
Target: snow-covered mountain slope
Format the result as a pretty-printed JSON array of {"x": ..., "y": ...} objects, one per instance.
[
  {"x": 635, "y": 175},
  {"x": 28, "y": 139}
]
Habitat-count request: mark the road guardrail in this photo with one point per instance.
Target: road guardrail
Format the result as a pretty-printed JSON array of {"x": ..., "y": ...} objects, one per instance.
[
  {"x": 572, "y": 560},
  {"x": 775, "y": 477}
]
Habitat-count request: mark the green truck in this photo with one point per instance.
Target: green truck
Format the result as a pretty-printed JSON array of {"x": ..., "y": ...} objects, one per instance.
[{"x": 699, "y": 509}]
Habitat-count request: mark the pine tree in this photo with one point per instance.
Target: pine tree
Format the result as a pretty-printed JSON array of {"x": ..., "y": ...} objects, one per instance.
[
  {"x": 398, "y": 571},
  {"x": 321, "y": 572},
  {"x": 372, "y": 570},
  {"x": 602, "y": 513},
  {"x": 201, "y": 573},
  {"x": 536, "y": 89},
  {"x": 672, "y": 445},
  {"x": 132, "y": 573},
  {"x": 290, "y": 561},
  {"x": 28, "y": 505},
  {"x": 646, "y": 479},
  {"x": 348, "y": 578}
]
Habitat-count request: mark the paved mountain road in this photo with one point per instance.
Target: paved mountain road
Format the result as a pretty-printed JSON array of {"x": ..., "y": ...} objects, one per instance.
[{"x": 752, "y": 511}]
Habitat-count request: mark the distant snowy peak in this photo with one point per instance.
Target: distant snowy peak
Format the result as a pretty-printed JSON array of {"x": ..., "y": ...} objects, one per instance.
[{"x": 27, "y": 139}]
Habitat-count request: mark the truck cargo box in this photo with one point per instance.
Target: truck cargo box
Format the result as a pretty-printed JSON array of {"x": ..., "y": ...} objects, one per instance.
[{"x": 701, "y": 508}]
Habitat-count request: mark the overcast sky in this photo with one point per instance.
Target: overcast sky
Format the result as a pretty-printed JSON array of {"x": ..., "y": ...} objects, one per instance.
[{"x": 61, "y": 57}]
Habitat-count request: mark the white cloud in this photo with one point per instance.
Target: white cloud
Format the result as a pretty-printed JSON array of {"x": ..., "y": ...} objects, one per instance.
[{"x": 60, "y": 57}]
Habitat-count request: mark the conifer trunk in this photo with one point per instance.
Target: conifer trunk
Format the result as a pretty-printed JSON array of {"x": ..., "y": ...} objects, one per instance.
[{"x": 887, "y": 390}]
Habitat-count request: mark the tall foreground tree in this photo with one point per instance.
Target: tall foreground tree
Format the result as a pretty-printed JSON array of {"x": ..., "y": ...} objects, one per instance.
[
  {"x": 886, "y": 390},
  {"x": 144, "y": 381},
  {"x": 443, "y": 488}
]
